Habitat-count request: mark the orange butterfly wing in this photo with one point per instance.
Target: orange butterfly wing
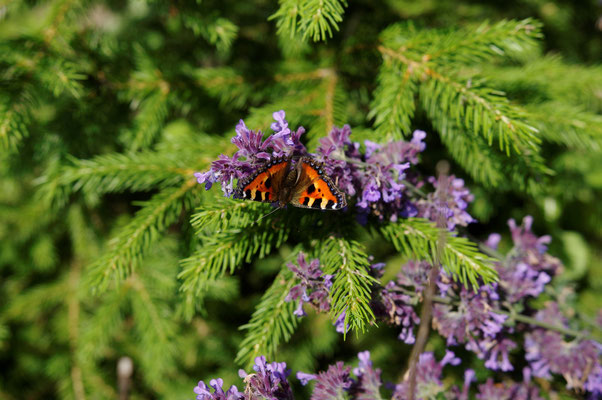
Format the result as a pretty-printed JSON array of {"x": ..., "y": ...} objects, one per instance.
[
  {"x": 316, "y": 190},
  {"x": 263, "y": 185}
]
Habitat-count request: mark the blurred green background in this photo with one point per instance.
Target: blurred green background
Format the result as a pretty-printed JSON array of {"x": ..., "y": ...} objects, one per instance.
[{"x": 108, "y": 107}]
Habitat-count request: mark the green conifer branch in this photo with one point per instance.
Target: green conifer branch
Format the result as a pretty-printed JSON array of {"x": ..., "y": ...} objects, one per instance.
[
  {"x": 315, "y": 19},
  {"x": 550, "y": 78},
  {"x": 156, "y": 332},
  {"x": 480, "y": 110},
  {"x": 231, "y": 233},
  {"x": 461, "y": 258},
  {"x": 568, "y": 125},
  {"x": 393, "y": 105},
  {"x": 149, "y": 120},
  {"x": 108, "y": 316},
  {"x": 487, "y": 165},
  {"x": 218, "y": 31},
  {"x": 466, "y": 46},
  {"x": 224, "y": 84},
  {"x": 272, "y": 323},
  {"x": 287, "y": 17},
  {"x": 114, "y": 172},
  {"x": 136, "y": 238},
  {"x": 425, "y": 56},
  {"x": 14, "y": 118},
  {"x": 319, "y": 17},
  {"x": 350, "y": 292}
]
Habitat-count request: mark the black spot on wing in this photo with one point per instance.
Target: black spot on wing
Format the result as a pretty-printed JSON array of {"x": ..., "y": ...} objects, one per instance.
[
  {"x": 247, "y": 193},
  {"x": 257, "y": 196},
  {"x": 311, "y": 189},
  {"x": 316, "y": 204},
  {"x": 268, "y": 183},
  {"x": 330, "y": 204},
  {"x": 305, "y": 201}
]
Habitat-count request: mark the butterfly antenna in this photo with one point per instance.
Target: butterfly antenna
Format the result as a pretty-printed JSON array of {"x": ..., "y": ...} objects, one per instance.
[{"x": 268, "y": 214}]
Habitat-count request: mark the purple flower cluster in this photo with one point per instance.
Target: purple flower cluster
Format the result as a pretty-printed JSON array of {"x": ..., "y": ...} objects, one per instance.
[
  {"x": 477, "y": 320},
  {"x": 313, "y": 287},
  {"x": 396, "y": 309},
  {"x": 453, "y": 198},
  {"x": 578, "y": 361},
  {"x": 331, "y": 384},
  {"x": 204, "y": 392},
  {"x": 428, "y": 377},
  {"x": 338, "y": 382},
  {"x": 509, "y": 390},
  {"x": 252, "y": 153},
  {"x": 269, "y": 381},
  {"x": 528, "y": 268},
  {"x": 377, "y": 177}
]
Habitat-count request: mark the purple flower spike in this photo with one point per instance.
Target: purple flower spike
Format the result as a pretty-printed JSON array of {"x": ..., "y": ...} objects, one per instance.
[
  {"x": 396, "y": 308},
  {"x": 428, "y": 379},
  {"x": 313, "y": 288},
  {"x": 269, "y": 381},
  {"x": 332, "y": 384},
  {"x": 368, "y": 384},
  {"x": 305, "y": 378},
  {"x": 340, "y": 324},
  {"x": 457, "y": 198},
  {"x": 547, "y": 351},
  {"x": 204, "y": 393}
]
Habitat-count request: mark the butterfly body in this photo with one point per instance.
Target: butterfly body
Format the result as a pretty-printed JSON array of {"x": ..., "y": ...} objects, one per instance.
[{"x": 302, "y": 184}]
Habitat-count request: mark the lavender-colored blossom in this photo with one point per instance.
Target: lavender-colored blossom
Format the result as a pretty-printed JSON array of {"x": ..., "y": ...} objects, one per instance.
[
  {"x": 396, "y": 308},
  {"x": 382, "y": 192},
  {"x": 472, "y": 319},
  {"x": 250, "y": 144},
  {"x": 367, "y": 386},
  {"x": 414, "y": 274},
  {"x": 520, "y": 280},
  {"x": 339, "y": 324},
  {"x": 333, "y": 150},
  {"x": 333, "y": 383},
  {"x": 509, "y": 390},
  {"x": 548, "y": 352},
  {"x": 528, "y": 268},
  {"x": 498, "y": 354},
  {"x": 469, "y": 377},
  {"x": 428, "y": 377},
  {"x": 269, "y": 381},
  {"x": 305, "y": 378},
  {"x": 493, "y": 240},
  {"x": 455, "y": 201},
  {"x": 204, "y": 392},
  {"x": 313, "y": 288},
  {"x": 253, "y": 152},
  {"x": 525, "y": 239}
]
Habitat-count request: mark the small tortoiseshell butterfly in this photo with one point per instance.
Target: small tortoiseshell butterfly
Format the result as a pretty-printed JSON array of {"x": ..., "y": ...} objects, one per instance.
[{"x": 302, "y": 185}]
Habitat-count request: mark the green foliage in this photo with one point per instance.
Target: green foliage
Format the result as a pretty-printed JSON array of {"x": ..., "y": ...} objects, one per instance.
[
  {"x": 229, "y": 235},
  {"x": 350, "y": 291},
  {"x": 109, "y": 248},
  {"x": 314, "y": 19},
  {"x": 272, "y": 323},
  {"x": 460, "y": 257}
]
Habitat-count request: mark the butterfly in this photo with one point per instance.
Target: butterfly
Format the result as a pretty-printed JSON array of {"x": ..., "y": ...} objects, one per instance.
[{"x": 302, "y": 184}]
